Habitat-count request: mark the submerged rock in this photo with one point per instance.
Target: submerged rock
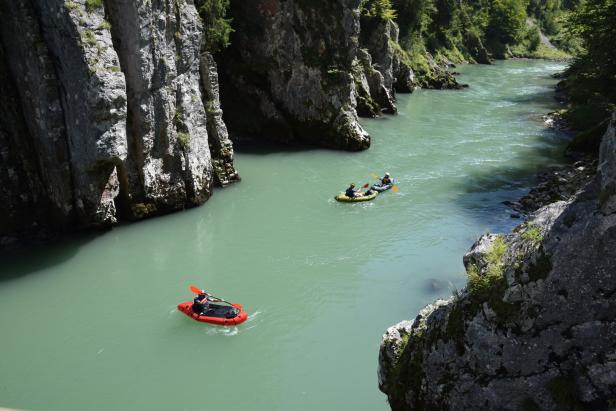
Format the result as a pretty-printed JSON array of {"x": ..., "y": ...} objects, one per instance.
[{"x": 536, "y": 326}]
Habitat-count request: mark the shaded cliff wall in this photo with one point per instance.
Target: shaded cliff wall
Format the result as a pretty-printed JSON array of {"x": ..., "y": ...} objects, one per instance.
[
  {"x": 536, "y": 326},
  {"x": 296, "y": 72},
  {"x": 107, "y": 119},
  {"x": 287, "y": 75}
]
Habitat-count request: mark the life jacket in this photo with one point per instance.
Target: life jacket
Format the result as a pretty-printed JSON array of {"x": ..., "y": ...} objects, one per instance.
[{"x": 199, "y": 304}]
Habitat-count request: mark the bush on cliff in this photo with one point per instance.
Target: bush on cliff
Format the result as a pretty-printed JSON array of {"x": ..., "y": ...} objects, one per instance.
[
  {"x": 216, "y": 26},
  {"x": 382, "y": 9}
]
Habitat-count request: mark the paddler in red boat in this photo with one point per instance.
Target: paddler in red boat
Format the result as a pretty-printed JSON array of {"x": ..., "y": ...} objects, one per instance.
[{"x": 201, "y": 303}]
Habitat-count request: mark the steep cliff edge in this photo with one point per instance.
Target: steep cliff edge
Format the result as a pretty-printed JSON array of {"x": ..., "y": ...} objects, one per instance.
[
  {"x": 300, "y": 71},
  {"x": 534, "y": 329},
  {"x": 287, "y": 75},
  {"x": 107, "y": 115}
]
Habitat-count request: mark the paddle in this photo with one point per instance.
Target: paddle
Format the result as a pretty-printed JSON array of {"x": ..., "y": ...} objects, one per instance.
[{"x": 198, "y": 290}]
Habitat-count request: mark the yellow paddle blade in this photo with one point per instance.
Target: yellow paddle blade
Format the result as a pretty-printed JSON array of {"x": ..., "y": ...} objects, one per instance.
[
  {"x": 395, "y": 189},
  {"x": 375, "y": 176}
]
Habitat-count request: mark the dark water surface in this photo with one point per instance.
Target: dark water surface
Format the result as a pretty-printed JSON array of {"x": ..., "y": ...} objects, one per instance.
[{"x": 92, "y": 325}]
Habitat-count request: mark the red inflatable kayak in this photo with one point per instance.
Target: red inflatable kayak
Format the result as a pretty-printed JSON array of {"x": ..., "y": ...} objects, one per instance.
[{"x": 216, "y": 314}]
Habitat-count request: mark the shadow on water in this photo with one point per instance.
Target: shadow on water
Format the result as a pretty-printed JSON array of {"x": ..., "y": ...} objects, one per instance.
[
  {"x": 258, "y": 147},
  {"x": 511, "y": 180},
  {"x": 544, "y": 95},
  {"x": 25, "y": 261},
  {"x": 509, "y": 177}
]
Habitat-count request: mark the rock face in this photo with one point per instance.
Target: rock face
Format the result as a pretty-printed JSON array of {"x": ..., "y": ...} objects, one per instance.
[
  {"x": 380, "y": 38},
  {"x": 291, "y": 71},
  {"x": 220, "y": 145},
  {"x": 536, "y": 326},
  {"x": 106, "y": 118},
  {"x": 382, "y": 65}
]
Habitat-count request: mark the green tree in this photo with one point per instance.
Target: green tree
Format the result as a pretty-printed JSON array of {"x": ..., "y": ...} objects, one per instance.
[
  {"x": 216, "y": 26},
  {"x": 507, "y": 21},
  {"x": 378, "y": 8},
  {"x": 594, "y": 22},
  {"x": 591, "y": 81}
]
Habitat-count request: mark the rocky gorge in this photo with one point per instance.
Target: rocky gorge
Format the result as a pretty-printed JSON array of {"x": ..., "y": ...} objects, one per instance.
[
  {"x": 534, "y": 328},
  {"x": 117, "y": 110},
  {"x": 302, "y": 72},
  {"x": 105, "y": 115},
  {"x": 113, "y": 110}
]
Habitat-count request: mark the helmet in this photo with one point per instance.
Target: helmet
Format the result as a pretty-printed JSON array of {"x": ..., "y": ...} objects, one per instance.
[
  {"x": 352, "y": 184},
  {"x": 386, "y": 174}
]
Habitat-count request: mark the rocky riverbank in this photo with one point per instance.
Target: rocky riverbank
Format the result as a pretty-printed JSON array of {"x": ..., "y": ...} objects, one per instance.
[
  {"x": 558, "y": 184},
  {"x": 535, "y": 327}
]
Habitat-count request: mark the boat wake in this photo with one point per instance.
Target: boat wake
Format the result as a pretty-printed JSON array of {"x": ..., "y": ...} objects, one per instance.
[
  {"x": 224, "y": 331},
  {"x": 235, "y": 330}
]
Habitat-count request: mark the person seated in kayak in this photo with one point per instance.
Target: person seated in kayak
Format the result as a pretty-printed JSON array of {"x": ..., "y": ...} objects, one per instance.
[
  {"x": 201, "y": 303},
  {"x": 386, "y": 180},
  {"x": 383, "y": 182},
  {"x": 351, "y": 192}
]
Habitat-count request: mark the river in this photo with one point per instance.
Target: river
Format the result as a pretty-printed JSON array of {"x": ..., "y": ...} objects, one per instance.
[{"x": 91, "y": 324}]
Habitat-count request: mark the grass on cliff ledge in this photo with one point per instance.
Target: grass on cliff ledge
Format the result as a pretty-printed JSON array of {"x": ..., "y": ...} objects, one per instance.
[
  {"x": 532, "y": 233},
  {"x": 480, "y": 285},
  {"x": 92, "y": 5},
  {"x": 490, "y": 286},
  {"x": 183, "y": 139}
]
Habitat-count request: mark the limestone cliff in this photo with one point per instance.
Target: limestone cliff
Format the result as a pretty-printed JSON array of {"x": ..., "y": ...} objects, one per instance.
[
  {"x": 112, "y": 108},
  {"x": 296, "y": 72},
  {"x": 536, "y": 326},
  {"x": 105, "y": 113},
  {"x": 287, "y": 75},
  {"x": 382, "y": 67}
]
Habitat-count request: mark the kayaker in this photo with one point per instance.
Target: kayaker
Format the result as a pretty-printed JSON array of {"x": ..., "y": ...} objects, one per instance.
[
  {"x": 201, "y": 303},
  {"x": 386, "y": 180},
  {"x": 351, "y": 192}
]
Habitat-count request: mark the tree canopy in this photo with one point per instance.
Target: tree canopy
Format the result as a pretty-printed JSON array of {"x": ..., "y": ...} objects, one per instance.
[{"x": 216, "y": 26}]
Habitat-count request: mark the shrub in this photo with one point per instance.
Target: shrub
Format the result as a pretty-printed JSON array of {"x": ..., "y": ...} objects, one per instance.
[
  {"x": 216, "y": 26},
  {"x": 89, "y": 37},
  {"x": 105, "y": 25},
  {"x": 71, "y": 5},
  {"x": 382, "y": 9},
  {"x": 534, "y": 39},
  {"x": 92, "y": 5},
  {"x": 532, "y": 233},
  {"x": 183, "y": 139}
]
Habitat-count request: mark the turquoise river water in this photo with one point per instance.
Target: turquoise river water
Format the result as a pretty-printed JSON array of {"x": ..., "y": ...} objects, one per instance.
[{"x": 91, "y": 324}]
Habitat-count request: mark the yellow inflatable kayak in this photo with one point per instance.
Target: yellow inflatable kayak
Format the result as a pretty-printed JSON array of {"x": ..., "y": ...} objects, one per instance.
[{"x": 344, "y": 199}]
